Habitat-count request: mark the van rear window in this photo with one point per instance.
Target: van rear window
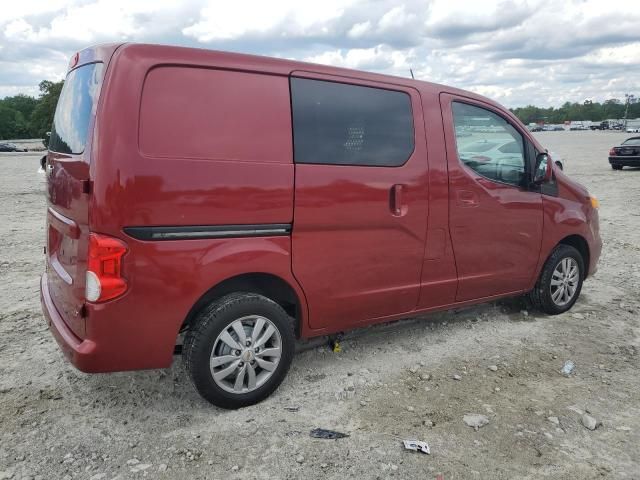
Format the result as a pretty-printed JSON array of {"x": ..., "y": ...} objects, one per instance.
[{"x": 73, "y": 113}]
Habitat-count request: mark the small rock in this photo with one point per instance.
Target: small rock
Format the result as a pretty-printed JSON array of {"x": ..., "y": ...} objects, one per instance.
[
  {"x": 548, "y": 435},
  {"x": 140, "y": 467},
  {"x": 324, "y": 465},
  {"x": 577, "y": 316},
  {"x": 493, "y": 368},
  {"x": 235, "y": 468},
  {"x": 425, "y": 376},
  {"x": 475, "y": 420},
  {"x": 133, "y": 461},
  {"x": 413, "y": 369},
  {"x": 427, "y": 422},
  {"x": 589, "y": 422},
  {"x": 162, "y": 467},
  {"x": 497, "y": 389},
  {"x": 525, "y": 313},
  {"x": 6, "y": 474},
  {"x": 623, "y": 428},
  {"x": 394, "y": 467},
  {"x": 300, "y": 459},
  {"x": 363, "y": 403},
  {"x": 554, "y": 420},
  {"x": 410, "y": 408},
  {"x": 457, "y": 377}
]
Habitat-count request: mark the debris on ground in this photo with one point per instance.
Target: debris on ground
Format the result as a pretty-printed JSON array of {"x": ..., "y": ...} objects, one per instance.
[
  {"x": 568, "y": 368},
  {"x": 292, "y": 408},
  {"x": 589, "y": 422},
  {"x": 417, "y": 446},
  {"x": 457, "y": 377},
  {"x": 475, "y": 420},
  {"x": 493, "y": 368},
  {"x": 327, "y": 434},
  {"x": 554, "y": 420}
]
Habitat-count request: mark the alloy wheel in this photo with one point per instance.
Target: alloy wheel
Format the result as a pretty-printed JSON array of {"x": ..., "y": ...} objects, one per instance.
[
  {"x": 245, "y": 354},
  {"x": 564, "y": 281}
]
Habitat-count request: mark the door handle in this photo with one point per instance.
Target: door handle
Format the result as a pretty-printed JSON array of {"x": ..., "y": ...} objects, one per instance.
[
  {"x": 397, "y": 209},
  {"x": 467, "y": 198}
]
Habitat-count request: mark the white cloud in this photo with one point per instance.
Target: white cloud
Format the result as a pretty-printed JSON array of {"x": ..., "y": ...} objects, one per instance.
[{"x": 514, "y": 51}]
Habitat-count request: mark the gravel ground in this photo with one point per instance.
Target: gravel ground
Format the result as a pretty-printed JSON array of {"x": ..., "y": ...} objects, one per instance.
[{"x": 415, "y": 379}]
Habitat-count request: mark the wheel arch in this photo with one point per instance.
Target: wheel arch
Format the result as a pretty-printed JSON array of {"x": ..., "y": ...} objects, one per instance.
[
  {"x": 267, "y": 284},
  {"x": 579, "y": 243}
]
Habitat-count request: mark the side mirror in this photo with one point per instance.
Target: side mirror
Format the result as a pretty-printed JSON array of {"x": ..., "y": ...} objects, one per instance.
[{"x": 543, "y": 172}]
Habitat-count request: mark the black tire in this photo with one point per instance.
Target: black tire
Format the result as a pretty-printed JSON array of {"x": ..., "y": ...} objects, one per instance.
[
  {"x": 617, "y": 167},
  {"x": 209, "y": 324},
  {"x": 541, "y": 296}
]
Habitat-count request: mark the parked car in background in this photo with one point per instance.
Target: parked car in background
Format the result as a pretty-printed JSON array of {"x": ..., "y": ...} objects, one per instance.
[
  {"x": 11, "y": 147},
  {"x": 633, "y": 129},
  {"x": 285, "y": 200},
  {"x": 627, "y": 154}
]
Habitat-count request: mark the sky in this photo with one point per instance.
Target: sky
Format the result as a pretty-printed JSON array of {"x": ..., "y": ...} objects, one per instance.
[{"x": 540, "y": 52}]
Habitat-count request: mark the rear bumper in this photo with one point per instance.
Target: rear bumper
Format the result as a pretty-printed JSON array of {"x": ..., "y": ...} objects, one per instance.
[
  {"x": 81, "y": 353},
  {"x": 630, "y": 161}
]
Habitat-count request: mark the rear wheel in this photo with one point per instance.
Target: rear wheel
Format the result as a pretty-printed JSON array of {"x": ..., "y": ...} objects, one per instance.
[
  {"x": 616, "y": 167},
  {"x": 560, "y": 281},
  {"x": 239, "y": 350}
]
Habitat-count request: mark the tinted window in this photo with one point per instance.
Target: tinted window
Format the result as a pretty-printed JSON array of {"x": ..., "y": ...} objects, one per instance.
[
  {"x": 340, "y": 124},
  {"x": 73, "y": 113},
  {"x": 631, "y": 141},
  {"x": 490, "y": 145}
]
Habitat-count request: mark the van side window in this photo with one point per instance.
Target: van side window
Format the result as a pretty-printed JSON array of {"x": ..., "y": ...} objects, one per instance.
[
  {"x": 488, "y": 144},
  {"x": 341, "y": 124}
]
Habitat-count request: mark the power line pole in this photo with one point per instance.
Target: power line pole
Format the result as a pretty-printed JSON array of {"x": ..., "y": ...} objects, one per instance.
[{"x": 628, "y": 98}]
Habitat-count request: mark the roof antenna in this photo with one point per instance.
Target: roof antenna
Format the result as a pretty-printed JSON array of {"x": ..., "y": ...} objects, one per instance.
[{"x": 412, "y": 74}]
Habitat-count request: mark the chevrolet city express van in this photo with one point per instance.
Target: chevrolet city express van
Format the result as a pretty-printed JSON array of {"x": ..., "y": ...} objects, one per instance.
[{"x": 241, "y": 202}]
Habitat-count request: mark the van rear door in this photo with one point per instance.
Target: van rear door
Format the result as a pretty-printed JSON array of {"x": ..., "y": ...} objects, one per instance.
[{"x": 67, "y": 190}]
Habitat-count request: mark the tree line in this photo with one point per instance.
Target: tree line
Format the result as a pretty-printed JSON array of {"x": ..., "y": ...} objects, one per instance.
[
  {"x": 22, "y": 116},
  {"x": 594, "y": 111}
]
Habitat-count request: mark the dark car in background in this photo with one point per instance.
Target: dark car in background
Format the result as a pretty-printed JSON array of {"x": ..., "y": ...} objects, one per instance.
[
  {"x": 10, "y": 147},
  {"x": 627, "y": 154}
]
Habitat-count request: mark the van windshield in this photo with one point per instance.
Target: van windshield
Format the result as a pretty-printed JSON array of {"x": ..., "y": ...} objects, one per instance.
[{"x": 73, "y": 113}]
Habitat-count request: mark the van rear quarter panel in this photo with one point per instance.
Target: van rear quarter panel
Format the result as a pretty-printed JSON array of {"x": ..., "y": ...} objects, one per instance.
[{"x": 172, "y": 149}]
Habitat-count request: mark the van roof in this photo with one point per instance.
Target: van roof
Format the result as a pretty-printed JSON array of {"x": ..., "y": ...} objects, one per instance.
[{"x": 241, "y": 61}]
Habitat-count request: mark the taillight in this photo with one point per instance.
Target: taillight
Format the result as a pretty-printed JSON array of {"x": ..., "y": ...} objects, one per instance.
[
  {"x": 104, "y": 264},
  {"x": 612, "y": 152}
]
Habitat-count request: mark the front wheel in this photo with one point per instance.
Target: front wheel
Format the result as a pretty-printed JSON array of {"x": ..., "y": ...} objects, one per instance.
[
  {"x": 239, "y": 350},
  {"x": 560, "y": 281}
]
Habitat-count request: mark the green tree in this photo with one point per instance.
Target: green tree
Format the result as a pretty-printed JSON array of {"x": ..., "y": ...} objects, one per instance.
[
  {"x": 42, "y": 116},
  {"x": 12, "y": 123}
]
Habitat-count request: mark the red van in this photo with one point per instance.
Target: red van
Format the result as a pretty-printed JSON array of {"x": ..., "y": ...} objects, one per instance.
[{"x": 240, "y": 202}]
